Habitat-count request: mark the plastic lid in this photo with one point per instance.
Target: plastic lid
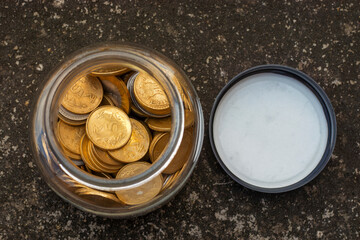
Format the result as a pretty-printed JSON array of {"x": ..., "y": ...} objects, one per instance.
[{"x": 272, "y": 128}]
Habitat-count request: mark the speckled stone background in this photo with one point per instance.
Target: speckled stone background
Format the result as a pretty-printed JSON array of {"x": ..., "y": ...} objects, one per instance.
[{"x": 212, "y": 42}]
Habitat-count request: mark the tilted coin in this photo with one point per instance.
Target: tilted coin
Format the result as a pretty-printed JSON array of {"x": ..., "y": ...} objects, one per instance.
[
  {"x": 72, "y": 116},
  {"x": 99, "y": 164},
  {"x": 110, "y": 70},
  {"x": 137, "y": 147},
  {"x": 164, "y": 124},
  {"x": 90, "y": 160},
  {"x": 70, "y": 136},
  {"x": 148, "y": 130},
  {"x": 89, "y": 170},
  {"x": 182, "y": 155},
  {"x": 170, "y": 179},
  {"x": 84, "y": 95},
  {"x": 143, "y": 193},
  {"x": 84, "y": 151},
  {"x": 106, "y": 100},
  {"x": 117, "y": 90},
  {"x": 70, "y": 154},
  {"x": 189, "y": 118},
  {"x": 158, "y": 144},
  {"x": 175, "y": 176},
  {"x": 104, "y": 156},
  {"x": 150, "y": 95},
  {"x": 104, "y": 167},
  {"x": 159, "y": 124},
  {"x": 95, "y": 193},
  {"x": 187, "y": 103},
  {"x": 71, "y": 122},
  {"x": 108, "y": 127},
  {"x": 166, "y": 178}
]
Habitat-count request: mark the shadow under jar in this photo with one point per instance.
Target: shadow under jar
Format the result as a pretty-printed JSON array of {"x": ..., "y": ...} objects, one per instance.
[{"x": 178, "y": 131}]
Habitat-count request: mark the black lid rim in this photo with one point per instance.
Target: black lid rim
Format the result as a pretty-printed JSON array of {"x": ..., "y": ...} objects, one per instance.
[{"x": 323, "y": 99}]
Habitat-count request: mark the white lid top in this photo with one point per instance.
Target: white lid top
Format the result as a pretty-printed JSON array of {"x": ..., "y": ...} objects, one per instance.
[{"x": 270, "y": 130}]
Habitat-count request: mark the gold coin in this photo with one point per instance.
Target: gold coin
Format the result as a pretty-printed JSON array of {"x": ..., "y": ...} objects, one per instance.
[
  {"x": 117, "y": 91},
  {"x": 104, "y": 156},
  {"x": 182, "y": 155},
  {"x": 108, "y": 127},
  {"x": 88, "y": 170},
  {"x": 159, "y": 141},
  {"x": 143, "y": 193},
  {"x": 86, "y": 191},
  {"x": 70, "y": 154},
  {"x": 70, "y": 136},
  {"x": 137, "y": 147},
  {"x": 101, "y": 165},
  {"x": 84, "y": 95},
  {"x": 72, "y": 116},
  {"x": 170, "y": 179},
  {"x": 148, "y": 131},
  {"x": 164, "y": 124},
  {"x": 159, "y": 124},
  {"x": 71, "y": 122},
  {"x": 110, "y": 70},
  {"x": 150, "y": 95},
  {"x": 187, "y": 103},
  {"x": 106, "y": 100},
  {"x": 89, "y": 164},
  {"x": 156, "y": 138},
  {"x": 67, "y": 153},
  {"x": 166, "y": 178}
]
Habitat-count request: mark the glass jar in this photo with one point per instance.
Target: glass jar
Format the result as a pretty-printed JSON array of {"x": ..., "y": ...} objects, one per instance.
[{"x": 65, "y": 178}]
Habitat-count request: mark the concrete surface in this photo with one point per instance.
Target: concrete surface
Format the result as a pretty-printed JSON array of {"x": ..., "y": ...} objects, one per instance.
[{"x": 212, "y": 41}]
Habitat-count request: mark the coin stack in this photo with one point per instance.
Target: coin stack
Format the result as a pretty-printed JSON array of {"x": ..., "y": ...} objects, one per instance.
[{"x": 114, "y": 123}]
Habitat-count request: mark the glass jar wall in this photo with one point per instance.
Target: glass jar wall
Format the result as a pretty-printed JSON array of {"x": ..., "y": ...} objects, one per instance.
[{"x": 88, "y": 178}]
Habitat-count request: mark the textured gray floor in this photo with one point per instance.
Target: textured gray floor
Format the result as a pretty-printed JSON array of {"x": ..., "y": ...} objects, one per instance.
[{"x": 212, "y": 42}]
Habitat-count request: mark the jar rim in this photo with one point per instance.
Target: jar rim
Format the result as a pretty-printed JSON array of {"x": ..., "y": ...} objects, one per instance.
[
  {"x": 321, "y": 96},
  {"x": 123, "y": 54}
]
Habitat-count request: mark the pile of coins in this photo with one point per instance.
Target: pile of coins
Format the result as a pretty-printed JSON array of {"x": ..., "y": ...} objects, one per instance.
[{"x": 114, "y": 123}]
